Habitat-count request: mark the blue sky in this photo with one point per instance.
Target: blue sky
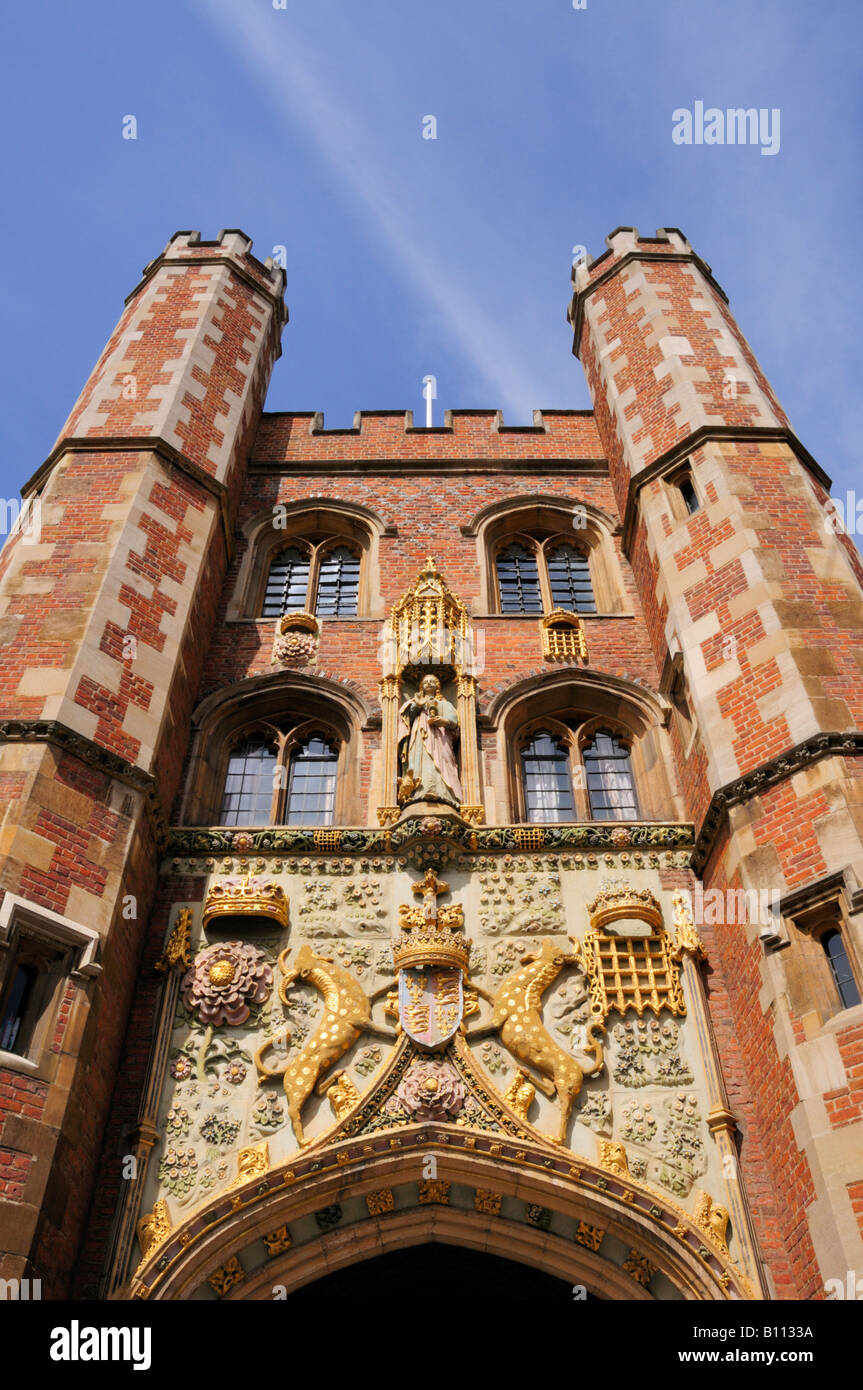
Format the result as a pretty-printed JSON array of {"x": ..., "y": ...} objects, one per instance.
[{"x": 408, "y": 256}]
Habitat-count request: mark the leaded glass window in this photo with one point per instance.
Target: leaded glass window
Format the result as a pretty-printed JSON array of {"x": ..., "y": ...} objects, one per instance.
[
  {"x": 569, "y": 577},
  {"x": 312, "y": 784},
  {"x": 546, "y": 780},
  {"x": 840, "y": 968},
  {"x": 610, "y": 783},
  {"x": 249, "y": 784},
  {"x": 287, "y": 583},
  {"x": 518, "y": 580},
  {"x": 338, "y": 584}
]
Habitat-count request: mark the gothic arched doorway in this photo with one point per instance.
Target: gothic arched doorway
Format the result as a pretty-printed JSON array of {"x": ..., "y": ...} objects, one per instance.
[{"x": 456, "y": 1271}]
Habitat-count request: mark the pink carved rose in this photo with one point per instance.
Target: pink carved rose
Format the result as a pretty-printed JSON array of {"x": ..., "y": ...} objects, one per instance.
[
  {"x": 224, "y": 980},
  {"x": 432, "y": 1090}
]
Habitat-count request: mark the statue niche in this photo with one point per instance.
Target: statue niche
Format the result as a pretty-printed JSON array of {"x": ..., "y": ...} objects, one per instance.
[
  {"x": 428, "y": 732},
  {"x": 428, "y": 705}
]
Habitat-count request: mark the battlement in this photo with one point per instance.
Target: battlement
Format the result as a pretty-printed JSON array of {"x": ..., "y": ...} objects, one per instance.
[
  {"x": 232, "y": 247},
  {"x": 623, "y": 245},
  {"x": 298, "y": 437}
]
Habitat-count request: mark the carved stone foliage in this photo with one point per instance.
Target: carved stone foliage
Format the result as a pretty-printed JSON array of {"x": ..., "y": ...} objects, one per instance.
[
  {"x": 343, "y": 907},
  {"x": 596, "y": 1113},
  {"x": 646, "y": 1052},
  {"x": 518, "y": 896}
]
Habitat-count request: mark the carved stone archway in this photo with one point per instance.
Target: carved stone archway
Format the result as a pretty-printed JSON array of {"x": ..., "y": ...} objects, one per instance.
[{"x": 519, "y": 1199}]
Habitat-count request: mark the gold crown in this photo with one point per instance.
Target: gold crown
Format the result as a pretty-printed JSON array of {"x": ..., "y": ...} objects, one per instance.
[
  {"x": 246, "y": 897},
  {"x": 439, "y": 941},
  {"x": 617, "y": 900}
]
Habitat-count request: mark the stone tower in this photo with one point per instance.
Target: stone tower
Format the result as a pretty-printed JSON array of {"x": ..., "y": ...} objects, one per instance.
[
  {"x": 104, "y": 609},
  {"x": 755, "y": 613}
]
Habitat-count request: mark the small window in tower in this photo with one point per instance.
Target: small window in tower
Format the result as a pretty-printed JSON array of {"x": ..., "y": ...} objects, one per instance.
[
  {"x": 312, "y": 783},
  {"x": 249, "y": 784},
  {"x": 569, "y": 577},
  {"x": 686, "y": 488},
  {"x": 518, "y": 580},
  {"x": 338, "y": 584},
  {"x": 610, "y": 783},
  {"x": 840, "y": 967},
  {"x": 16, "y": 1011},
  {"x": 546, "y": 779},
  {"x": 287, "y": 584}
]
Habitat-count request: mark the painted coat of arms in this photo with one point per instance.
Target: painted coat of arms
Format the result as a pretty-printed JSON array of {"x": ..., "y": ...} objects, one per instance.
[
  {"x": 431, "y": 1004},
  {"x": 431, "y": 957}
]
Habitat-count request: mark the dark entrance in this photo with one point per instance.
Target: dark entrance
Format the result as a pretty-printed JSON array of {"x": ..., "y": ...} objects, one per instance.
[{"x": 445, "y": 1272}]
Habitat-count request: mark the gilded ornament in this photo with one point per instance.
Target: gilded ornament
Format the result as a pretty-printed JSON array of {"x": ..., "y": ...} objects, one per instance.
[
  {"x": 640, "y": 1268},
  {"x": 342, "y": 1094},
  {"x": 224, "y": 981},
  {"x": 256, "y": 898},
  {"x": 589, "y": 1236},
  {"x": 687, "y": 942},
  {"x": 177, "y": 949},
  {"x": 154, "y": 1228},
  {"x": 277, "y": 1241},
  {"x": 613, "y": 1157},
  {"x": 517, "y": 1018},
  {"x": 347, "y": 1014},
  {"x": 226, "y": 1277},
  {"x": 252, "y": 1162},
  {"x": 563, "y": 635},
  {"x": 433, "y": 935},
  {"x": 630, "y": 972},
  {"x": 711, "y": 1218},
  {"x": 487, "y": 1202},
  {"x": 433, "y": 1190},
  {"x": 520, "y": 1093},
  {"x": 380, "y": 1202}
]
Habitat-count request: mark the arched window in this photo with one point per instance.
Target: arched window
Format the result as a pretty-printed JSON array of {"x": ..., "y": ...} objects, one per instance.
[
  {"x": 311, "y": 797},
  {"x": 338, "y": 583},
  {"x": 840, "y": 967},
  {"x": 281, "y": 777},
  {"x": 287, "y": 583},
  {"x": 249, "y": 784},
  {"x": 569, "y": 579},
  {"x": 610, "y": 783},
  {"x": 518, "y": 580},
  {"x": 537, "y": 574},
  {"x": 546, "y": 779}
]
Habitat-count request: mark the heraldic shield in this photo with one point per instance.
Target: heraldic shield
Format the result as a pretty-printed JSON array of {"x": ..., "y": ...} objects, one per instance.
[
  {"x": 431, "y": 956},
  {"x": 431, "y": 1004}
]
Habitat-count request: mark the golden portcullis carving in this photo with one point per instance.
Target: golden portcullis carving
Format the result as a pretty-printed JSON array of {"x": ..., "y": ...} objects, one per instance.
[{"x": 630, "y": 972}]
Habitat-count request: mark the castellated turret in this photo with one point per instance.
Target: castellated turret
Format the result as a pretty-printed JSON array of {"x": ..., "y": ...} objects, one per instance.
[
  {"x": 104, "y": 610},
  {"x": 753, "y": 600}
]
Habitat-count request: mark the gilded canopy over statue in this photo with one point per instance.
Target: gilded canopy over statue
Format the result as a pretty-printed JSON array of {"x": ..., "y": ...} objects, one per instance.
[{"x": 428, "y": 697}]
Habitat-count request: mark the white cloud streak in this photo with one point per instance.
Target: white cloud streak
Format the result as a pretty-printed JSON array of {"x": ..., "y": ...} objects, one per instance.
[{"x": 286, "y": 68}]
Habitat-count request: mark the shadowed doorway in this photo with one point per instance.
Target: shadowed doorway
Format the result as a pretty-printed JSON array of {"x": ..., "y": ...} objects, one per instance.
[{"x": 444, "y": 1271}]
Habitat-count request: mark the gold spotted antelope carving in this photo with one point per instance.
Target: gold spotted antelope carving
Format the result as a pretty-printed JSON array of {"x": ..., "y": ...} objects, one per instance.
[
  {"x": 347, "y": 1014},
  {"x": 517, "y": 1018}
]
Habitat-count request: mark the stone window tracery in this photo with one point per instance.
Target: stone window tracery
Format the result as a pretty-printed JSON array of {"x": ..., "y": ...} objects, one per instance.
[
  {"x": 321, "y": 577},
  {"x": 281, "y": 777},
  {"x": 537, "y": 574},
  {"x": 573, "y": 771}
]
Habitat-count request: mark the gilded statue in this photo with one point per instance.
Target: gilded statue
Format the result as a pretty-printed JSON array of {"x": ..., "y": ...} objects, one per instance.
[
  {"x": 517, "y": 1018},
  {"x": 428, "y": 728},
  {"x": 347, "y": 1014}
]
